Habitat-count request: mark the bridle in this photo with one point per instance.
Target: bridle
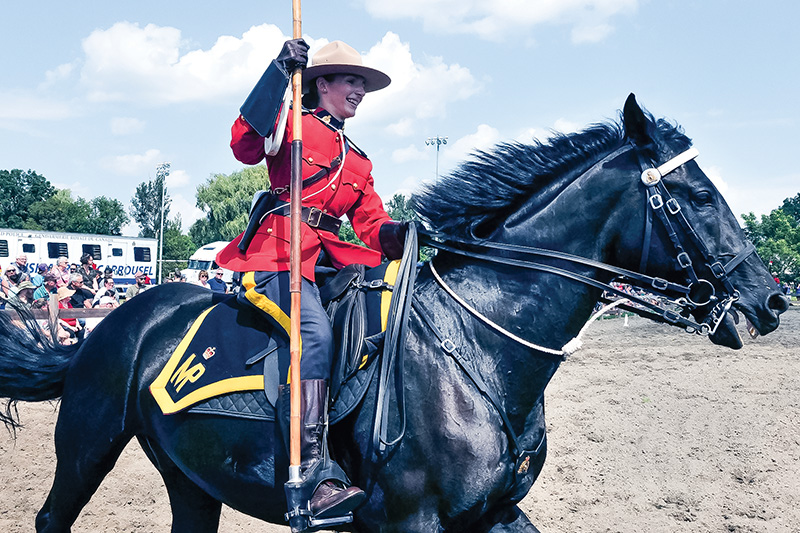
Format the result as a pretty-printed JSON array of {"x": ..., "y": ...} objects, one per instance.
[{"x": 674, "y": 302}]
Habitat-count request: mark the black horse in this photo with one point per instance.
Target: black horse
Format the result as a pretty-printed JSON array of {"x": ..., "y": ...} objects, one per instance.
[{"x": 475, "y": 430}]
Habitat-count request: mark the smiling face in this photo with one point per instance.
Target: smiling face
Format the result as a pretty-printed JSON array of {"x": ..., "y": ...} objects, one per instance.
[{"x": 341, "y": 95}]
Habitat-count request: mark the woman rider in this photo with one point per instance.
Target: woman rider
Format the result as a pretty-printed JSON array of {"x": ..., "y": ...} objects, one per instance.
[{"x": 337, "y": 181}]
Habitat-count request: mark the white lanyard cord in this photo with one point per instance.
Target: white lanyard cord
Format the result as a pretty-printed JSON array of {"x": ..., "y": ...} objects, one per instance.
[{"x": 569, "y": 348}]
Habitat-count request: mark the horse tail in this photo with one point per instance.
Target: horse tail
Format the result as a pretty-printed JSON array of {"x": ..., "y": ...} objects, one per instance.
[{"x": 32, "y": 365}]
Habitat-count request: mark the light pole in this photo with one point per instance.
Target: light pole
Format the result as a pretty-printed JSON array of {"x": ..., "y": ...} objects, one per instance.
[
  {"x": 162, "y": 171},
  {"x": 436, "y": 141}
]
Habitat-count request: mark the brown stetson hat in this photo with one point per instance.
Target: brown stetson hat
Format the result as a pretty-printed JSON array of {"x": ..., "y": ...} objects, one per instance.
[{"x": 341, "y": 58}]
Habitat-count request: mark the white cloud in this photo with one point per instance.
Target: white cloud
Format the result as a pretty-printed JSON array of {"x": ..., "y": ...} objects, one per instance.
[
  {"x": 156, "y": 65},
  {"x": 592, "y": 33},
  {"x": 715, "y": 175},
  {"x": 134, "y": 164},
  {"x": 565, "y": 126},
  {"x": 57, "y": 74},
  {"x": 499, "y": 19},
  {"x": 187, "y": 209},
  {"x": 420, "y": 89},
  {"x": 527, "y": 135},
  {"x": 126, "y": 125},
  {"x": 484, "y": 138},
  {"x": 409, "y": 153},
  {"x": 178, "y": 178},
  {"x": 24, "y": 106}
]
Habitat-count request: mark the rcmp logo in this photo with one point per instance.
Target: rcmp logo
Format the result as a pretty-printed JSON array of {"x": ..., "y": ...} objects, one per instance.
[{"x": 209, "y": 353}]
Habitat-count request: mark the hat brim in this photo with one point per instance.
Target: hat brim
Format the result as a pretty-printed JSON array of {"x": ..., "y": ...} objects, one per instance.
[{"x": 375, "y": 80}]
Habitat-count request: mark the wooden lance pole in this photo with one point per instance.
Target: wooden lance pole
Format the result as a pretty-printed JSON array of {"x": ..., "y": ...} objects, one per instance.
[{"x": 295, "y": 271}]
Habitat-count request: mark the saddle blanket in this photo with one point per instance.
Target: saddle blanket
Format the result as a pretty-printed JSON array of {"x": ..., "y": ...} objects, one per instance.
[
  {"x": 219, "y": 367},
  {"x": 223, "y": 352}
]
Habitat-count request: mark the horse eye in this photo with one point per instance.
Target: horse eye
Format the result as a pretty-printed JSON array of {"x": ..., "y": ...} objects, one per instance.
[{"x": 704, "y": 198}]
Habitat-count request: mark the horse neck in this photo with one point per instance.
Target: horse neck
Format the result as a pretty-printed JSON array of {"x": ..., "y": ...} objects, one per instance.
[{"x": 545, "y": 309}]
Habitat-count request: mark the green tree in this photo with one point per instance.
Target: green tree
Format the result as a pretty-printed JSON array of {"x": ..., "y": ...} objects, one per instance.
[
  {"x": 777, "y": 240},
  {"x": 19, "y": 190},
  {"x": 177, "y": 246},
  {"x": 146, "y": 206},
  {"x": 226, "y": 200},
  {"x": 107, "y": 216},
  {"x": 101, "y": 215},
  {"x": 791, "y": 206},
  {"x": 399, "y": 208},
  {"x": 57, "y": 213}
]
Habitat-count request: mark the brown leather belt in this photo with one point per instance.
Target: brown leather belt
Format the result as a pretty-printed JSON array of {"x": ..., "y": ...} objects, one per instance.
[{"x": 314, "y": 217}]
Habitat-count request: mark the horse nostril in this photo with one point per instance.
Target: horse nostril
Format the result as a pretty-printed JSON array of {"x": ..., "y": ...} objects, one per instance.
[{"x": 778, "y": 303}]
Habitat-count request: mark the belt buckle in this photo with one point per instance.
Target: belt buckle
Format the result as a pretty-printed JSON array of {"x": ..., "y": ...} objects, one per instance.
[{"x": 314, "y": 217}]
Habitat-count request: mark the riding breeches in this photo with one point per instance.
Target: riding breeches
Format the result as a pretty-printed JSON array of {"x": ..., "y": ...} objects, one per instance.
[{"x": 269, "y": 293}]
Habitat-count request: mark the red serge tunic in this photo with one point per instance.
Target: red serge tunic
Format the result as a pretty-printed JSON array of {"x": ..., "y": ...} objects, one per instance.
[{"x": 349, "y": 192}]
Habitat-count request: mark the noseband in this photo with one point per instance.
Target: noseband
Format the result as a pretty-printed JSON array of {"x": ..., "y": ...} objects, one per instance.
[{"x": 675, "y": 302}]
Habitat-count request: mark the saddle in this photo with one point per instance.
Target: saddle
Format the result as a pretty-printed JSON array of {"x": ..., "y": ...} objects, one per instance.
[{"x": 236, "y": 372}]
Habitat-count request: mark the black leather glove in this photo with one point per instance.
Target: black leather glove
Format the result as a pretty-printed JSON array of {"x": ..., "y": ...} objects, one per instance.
[
  {"x": 392, "y": 236},
  {"x": 293, "y": 54}
]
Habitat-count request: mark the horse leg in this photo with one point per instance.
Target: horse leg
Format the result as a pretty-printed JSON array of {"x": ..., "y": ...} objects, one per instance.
[
  {"x": 193, "y": 509},
  {"x": 506, "y": 520},
  {"x": 84, "y": 456}
]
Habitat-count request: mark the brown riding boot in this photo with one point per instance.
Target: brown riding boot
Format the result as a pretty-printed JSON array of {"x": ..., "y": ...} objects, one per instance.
[{"x": 331, "y": 498}]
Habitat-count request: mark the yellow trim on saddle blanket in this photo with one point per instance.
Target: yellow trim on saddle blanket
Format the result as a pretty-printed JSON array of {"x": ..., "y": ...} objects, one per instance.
[
  {"x": 390, "y": 277},
  {"x": 191, "y": 370}
]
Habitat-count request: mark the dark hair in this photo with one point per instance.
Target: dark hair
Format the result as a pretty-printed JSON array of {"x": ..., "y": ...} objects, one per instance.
[
  {"x": 85, "y": 259},
  {"x": 311, "y": 98},
  {"x": 108, "y": 270}
]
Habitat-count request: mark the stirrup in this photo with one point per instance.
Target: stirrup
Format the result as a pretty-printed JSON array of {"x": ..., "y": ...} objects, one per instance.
[{"x": 301, "y": 520}]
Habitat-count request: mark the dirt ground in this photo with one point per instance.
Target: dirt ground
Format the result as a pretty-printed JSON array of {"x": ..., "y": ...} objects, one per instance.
[{"x": 650, "y": 430}]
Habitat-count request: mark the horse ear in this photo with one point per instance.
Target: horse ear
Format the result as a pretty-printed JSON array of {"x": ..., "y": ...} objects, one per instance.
[{"x": 638, "y": 128}]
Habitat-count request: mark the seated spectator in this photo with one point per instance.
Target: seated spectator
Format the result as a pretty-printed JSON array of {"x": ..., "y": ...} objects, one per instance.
[
  {"x": 61, "y": 271},
  {"x": 82, "y": 297},
  {"x": 10, "y": 280},
  {"x": 217, "y": 284},
  {"x": 48, "y": 287},
  {"x": 138, "y": 287},
  {"x": 202, "y": 279},
  {"x": 89, "y": 273},
  {"x": 22, "y": 267},
  {"x": 107, "y": 289},
  {"x": 24, "y": 296},
  {"x": 68, "y": 328},
  {"x": 38, "y": 278}
]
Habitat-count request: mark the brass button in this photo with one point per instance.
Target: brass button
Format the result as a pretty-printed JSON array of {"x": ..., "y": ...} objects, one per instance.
[
  {"x": 333, "y": 187},
  {"x": 269, "y": 230},
  {"x": 355, "y": 185},
  {"x": 310, "y": 160}
]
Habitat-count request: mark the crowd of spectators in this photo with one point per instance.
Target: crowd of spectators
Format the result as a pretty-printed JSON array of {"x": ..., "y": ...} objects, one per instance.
[{"x": 81, "y": 286}]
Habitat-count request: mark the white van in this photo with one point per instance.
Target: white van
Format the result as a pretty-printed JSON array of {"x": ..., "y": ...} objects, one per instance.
[{"x": 204, "y": 259}]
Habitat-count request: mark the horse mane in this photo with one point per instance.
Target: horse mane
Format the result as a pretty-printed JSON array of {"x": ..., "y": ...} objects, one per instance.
[{"x": 495, "y": 183}]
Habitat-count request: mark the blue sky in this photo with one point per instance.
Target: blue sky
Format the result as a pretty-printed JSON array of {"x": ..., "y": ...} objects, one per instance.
[{"x": 96, "y": 94}]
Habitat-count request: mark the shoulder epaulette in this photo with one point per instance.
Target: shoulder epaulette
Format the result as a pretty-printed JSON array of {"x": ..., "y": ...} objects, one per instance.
[{"x": 355, "y": 148}]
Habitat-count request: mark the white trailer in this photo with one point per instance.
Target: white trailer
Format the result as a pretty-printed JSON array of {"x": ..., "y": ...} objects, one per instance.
[
  {"x": 125, "y": 255},
  {"x": 205, "y": 259}
]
